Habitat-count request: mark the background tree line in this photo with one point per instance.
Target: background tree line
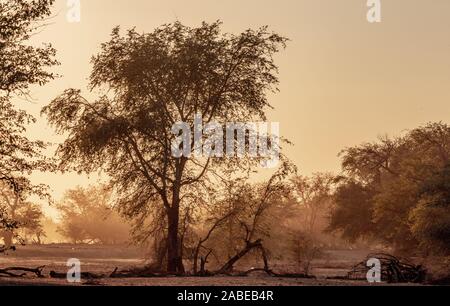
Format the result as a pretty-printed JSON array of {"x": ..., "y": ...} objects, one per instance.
[{"x": 396, "y": 191}]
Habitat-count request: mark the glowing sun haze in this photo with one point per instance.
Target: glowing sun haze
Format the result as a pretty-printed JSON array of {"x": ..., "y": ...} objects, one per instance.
[{"x": 343, "y": 80}]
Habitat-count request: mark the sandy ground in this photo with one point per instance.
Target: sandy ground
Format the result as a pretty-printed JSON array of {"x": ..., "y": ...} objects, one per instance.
[
  {"x": 188, "y": 281},
  {"x": 104, "y": 259}
]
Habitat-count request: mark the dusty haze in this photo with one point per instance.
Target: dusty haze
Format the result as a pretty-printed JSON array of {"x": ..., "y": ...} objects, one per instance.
[{"x": 343, "y": 80}]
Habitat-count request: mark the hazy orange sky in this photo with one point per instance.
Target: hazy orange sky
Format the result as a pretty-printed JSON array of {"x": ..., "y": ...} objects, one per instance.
[{"x": 343, "y": 80}]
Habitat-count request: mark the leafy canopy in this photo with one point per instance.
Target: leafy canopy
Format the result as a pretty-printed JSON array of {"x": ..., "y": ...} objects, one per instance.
[{"x": 151, "y": 81}]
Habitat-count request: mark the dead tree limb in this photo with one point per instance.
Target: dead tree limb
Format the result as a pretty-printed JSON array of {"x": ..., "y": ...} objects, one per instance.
[
  {"x": 228, "y": 267},
  {"x": 10, "y": 271},
  {"x": 215, "y": 226}
]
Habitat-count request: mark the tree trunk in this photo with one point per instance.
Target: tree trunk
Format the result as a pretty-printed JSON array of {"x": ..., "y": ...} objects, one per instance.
[
  {"x": 8, "y": 239},
  {"x": 39, "y": 241},
  {"x": 174, "y": 260},
  {"x": 197, "y": 251},
  {"x": 160, "y": 247},
  {"x": 202, "y": 266}
]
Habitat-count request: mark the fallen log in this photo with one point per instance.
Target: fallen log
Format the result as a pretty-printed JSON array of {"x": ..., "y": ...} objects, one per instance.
[
  {"x": 84, "y": 275},
  {"x": 145, "y": 272},
  {"x": 294, "y": 275},
  {"x": 132, "y": 273},
  {"x": 9, "y": 272},
  {"x": 274, "y": 274},
  {"x": 247, "y": 273}
]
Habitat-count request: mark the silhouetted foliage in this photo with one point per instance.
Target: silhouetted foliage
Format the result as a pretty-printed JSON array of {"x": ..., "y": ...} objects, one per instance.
[
  {"x": 352, "y": 201},
  {"x": 150, "y": 82},
  {"x": 431, "y": 218},
  {"x": 24, "y": 218},
  {"x": 21, "y": 66},
  {"x": 88, "y": 217},
  {"x": 395, "y": 190}
]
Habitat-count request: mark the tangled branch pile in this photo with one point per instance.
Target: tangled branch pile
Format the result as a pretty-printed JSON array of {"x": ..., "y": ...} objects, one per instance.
[{"x": 393, "y": 270}]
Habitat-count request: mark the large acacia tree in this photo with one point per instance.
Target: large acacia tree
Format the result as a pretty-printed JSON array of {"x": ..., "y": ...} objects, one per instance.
[
  {"x": 21, "y": 66},
  {"x": 149, "y": 82}
]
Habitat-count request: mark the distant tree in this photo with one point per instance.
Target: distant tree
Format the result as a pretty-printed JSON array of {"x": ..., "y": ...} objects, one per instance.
[
  {"x": 304, "y": 250},
  {"x": 87, "y": 217},
  {"x": 50, "y": 231},
  {"x": 21, "y": 66},
  {"x": 152, "y": 81},
  {"x": 30, "y": 221},
  {"x": 314, "y": 197},
  {"x": 25, "y": 217}
]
